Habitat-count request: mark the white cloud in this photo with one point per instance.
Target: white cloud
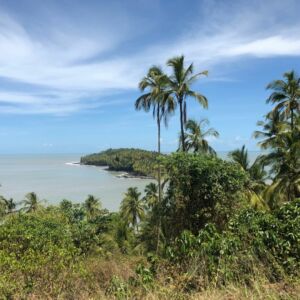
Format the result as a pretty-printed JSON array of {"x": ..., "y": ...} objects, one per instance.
[
  {"x": 78, "y": 67},
  {"x": 270, "y": 46}
]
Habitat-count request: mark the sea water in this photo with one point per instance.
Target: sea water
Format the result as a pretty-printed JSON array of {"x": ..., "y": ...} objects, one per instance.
[{"x": 54, "y": 177}]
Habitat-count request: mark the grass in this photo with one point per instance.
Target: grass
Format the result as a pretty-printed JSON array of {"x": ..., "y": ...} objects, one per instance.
[{"x": 95, "y": 283}]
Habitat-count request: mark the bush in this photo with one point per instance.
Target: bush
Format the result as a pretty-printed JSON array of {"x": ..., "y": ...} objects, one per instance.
[
  {"x": 254, "y": 243},
  {"x": 35, "y": 251},
  {"x": 201, "y": 189}
]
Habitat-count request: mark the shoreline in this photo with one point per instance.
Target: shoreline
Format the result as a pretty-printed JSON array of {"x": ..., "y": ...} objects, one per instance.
[{"x": 126, "y": 175}]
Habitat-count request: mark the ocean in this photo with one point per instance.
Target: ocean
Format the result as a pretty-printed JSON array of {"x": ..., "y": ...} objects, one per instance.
[{"x": 54, "y": 177}]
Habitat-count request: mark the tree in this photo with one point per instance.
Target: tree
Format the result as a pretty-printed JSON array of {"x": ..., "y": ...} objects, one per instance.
[
  {"x": 180, "y": 84},
  {"x": 285, "y": 165},
  {"x": 195, "y": 137},
  {"x": 31, "y": 202},
  {"x": 201, "y": 189},
  {"x": 286, "y": 96},
  {"x": 281, "y": 137},
  {"x": 132, "y": 207},
  {"x": 158, "y": 98},
  {"x": 151, "y": 195},
  {"x": 8, "y": 205},
  {"x": 92, "y": 206},
  {"x": 255, "y": 170},
  {"x": 273, "y": 125},
  {"x": 257, "y": 175}
]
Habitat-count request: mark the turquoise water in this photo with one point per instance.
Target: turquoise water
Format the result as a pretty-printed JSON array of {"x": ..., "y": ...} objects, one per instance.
[{"x": 53, "y": 178}]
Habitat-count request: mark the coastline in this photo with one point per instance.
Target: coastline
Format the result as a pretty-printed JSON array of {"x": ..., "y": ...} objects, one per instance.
[{"x": 126, "y": 175}]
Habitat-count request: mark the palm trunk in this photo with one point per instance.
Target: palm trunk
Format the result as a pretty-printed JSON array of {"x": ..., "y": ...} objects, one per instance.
[
  {"x": 181, "y": 124},
  {"x": 292, "y": 121},
  {"x": 158, "y": 177}
]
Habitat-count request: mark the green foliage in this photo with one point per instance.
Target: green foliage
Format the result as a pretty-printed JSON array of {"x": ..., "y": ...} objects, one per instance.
[
  {"x": 180, "y": 82},
  {"x": 132, "y": 208},
  {"x": 33, "y": 248},
  {"x": 201, "y": 189},
  {"x": 157, "y": 97},
  {"x": 88, "y": 223},
  {"x": 281, "y": 137},
  {"x": 202, "y": 230},
  {"x": 257, "y": 175},
  {"x": 118, "y": 288},
  {"x": 31, "y": 202},
  {"x": 253, "y": 243},
  {"x": 144, "y": 277},
  {"x": 136, "y": 161},
  {"x": 196, "y": 137},
  {"x": 7, "y": 206}
]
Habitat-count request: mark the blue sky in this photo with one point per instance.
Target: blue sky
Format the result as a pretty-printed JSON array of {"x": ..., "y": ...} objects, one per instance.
[{"x": 69, "y": 70}]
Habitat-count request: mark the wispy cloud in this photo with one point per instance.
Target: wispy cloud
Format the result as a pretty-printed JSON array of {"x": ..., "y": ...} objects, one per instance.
[{"x": 78, "y": 68}]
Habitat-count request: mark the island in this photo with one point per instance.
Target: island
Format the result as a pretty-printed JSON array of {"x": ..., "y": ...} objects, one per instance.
[{"x": 133, "y": 162}]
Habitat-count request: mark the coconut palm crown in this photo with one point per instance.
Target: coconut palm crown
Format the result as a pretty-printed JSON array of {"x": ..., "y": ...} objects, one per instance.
[
  {"x": 132, "y": 207},
  {"x": 180, "y": 83}
]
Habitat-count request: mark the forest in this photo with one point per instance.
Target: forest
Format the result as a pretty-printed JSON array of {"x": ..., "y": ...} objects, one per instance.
[{"x": 135, "y": 161}]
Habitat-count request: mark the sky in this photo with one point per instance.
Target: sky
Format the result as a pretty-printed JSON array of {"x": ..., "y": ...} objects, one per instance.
[{"x": 69, "y": 70}]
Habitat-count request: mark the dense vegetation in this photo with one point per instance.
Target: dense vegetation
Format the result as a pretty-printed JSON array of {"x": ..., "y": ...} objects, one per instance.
[
  {"x": 208, "y": 229},
  {"x": 135, "y": 161}
]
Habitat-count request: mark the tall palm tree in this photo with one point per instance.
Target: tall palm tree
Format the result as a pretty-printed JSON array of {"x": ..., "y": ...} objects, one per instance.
[
  {"x": 180, "y": 83},
  {"x": 92, "y": 206},
  {"x": 196, "y": 134},
  {"x": 285, "y": 165},
  {"x": 31, "y": 202},
  {"x": 132, "y": 207},
  {"x": 286, "y": 95},
  {"x": 159, "y": 99}
]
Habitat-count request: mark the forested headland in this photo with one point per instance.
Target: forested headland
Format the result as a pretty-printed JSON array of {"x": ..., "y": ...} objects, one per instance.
[
  {"x": 137, "y": 162},
  {"x": 206, "y": 229}
]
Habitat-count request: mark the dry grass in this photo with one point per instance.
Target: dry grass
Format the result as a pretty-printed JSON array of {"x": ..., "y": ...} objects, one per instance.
[{"x": 92, "y": 284}]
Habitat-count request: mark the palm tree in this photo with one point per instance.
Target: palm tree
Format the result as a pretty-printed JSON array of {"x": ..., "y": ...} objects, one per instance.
[
  {"x": 273, "y": 125},
  {"x": 195, "y": 136},
  {"x": 132, "y": 207},
  {"x": 256, "y": 172},
  {"x": 31, "y": 202},
  {"x": 9, "y": 204},
  {"x": 285, "y": 165},
  {"x": 286, "y": 95},
  {"x": 240, "y": 156},
  {"x": 151, "y": 195},
  {"x": 180, "y": 82},
  {"x": 92, "y": 206},
  {"x": 159, "y": 99}
]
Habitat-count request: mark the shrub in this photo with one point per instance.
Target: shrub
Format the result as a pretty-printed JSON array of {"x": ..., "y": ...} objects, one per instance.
[
  {"x": 253, "y": 243},
  {"x": 36, "y": 249},
  {"x": 201, "y": 189}
]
